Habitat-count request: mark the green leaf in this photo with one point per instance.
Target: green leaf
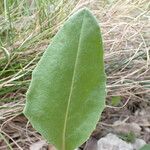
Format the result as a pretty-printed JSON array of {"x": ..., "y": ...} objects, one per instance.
[
  {"x": 115, "y": 100},
  {"x": 67, "y": 92},
  {"x": 146, "y": 147}
]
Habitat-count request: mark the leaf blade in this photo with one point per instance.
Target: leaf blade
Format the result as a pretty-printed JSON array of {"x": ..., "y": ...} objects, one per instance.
[{"x": 64, "y": 66}]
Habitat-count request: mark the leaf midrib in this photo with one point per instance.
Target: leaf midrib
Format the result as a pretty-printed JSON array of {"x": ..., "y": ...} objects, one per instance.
[{"x": 71, "y": 87}]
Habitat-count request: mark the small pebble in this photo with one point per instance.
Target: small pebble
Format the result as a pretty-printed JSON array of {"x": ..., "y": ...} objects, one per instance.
[{"x": 112, "y": 142}]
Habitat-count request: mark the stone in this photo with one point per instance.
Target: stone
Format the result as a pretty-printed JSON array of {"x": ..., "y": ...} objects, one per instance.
[
  {"x": 139, "y": 143},
  {"x": 112, "y": 142}
]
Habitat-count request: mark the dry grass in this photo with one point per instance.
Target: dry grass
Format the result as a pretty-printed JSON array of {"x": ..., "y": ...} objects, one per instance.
[
  {"x": 127, "y": 57},
  {"x": 125, "y": 27}
]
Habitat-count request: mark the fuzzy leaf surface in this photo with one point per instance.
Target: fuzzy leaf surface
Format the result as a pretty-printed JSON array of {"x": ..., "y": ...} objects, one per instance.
[{"x": 67, "y": 92}]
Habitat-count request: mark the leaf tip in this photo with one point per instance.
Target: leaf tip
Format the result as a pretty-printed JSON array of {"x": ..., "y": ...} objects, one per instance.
[{"x": 85, "y": 10}]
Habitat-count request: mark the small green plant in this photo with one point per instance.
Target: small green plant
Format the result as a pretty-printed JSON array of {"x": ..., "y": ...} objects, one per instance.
[
  {"x": 67, "y": 92},
  {"x": 128, "y": 137},
  {"x": 146, "y": 147},
  {"x": 115, "y": 100}
]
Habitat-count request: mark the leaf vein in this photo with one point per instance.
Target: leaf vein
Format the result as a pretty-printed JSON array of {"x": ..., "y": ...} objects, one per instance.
[{"x": 71, "y": 87}]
